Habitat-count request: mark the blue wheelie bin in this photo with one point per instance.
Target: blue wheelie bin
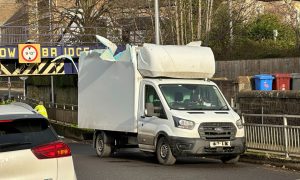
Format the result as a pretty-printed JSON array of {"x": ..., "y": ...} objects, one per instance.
[{"x": 263, "y": 82}]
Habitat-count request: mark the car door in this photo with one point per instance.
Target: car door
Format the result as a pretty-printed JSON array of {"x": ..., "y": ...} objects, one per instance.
[
  {"x": 22, "y": 165},
  {"x": 151, "y": 112}
]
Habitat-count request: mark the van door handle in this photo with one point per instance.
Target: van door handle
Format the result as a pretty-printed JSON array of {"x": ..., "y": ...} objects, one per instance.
[{"x": 143, "y": 117}]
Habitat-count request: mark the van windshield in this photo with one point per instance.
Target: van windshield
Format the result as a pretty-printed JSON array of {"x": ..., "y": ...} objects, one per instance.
[{"x": 193, "y": 97}]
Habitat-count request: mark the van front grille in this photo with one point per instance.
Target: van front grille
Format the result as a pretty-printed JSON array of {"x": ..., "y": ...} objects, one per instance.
[{"x": 217, "y": 131}]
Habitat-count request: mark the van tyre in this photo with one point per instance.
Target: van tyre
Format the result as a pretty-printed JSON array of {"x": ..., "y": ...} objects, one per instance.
[
  {"x": 230, "y": 159},
  {"x": 163, "y": 152},
  {"x": 102, "y": 149}
]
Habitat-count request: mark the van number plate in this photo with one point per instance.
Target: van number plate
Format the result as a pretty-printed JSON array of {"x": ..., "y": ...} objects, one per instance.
[{"x": 219, "y": 144}]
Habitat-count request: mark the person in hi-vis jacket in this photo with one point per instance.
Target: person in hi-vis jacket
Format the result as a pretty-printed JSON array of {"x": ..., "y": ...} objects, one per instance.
[{"x": 40, "y": 108}]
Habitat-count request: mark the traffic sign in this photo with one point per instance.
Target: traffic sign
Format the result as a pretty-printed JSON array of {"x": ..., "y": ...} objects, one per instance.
[
  {"x": 23, "y": 78},
  {"x": 29, "y": 53}
]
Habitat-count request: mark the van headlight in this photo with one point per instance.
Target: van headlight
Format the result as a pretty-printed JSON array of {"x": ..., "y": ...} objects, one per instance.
[
  {"x": 183, "y": 123},
  {"x": 239, "y": 124}
]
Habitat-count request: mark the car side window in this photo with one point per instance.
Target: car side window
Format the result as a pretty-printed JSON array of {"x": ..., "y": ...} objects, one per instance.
[{"x": 153, "y": 104}]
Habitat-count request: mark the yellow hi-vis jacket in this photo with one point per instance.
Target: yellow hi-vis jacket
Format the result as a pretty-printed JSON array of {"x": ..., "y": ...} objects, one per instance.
[{"x": 42, "y": 110}]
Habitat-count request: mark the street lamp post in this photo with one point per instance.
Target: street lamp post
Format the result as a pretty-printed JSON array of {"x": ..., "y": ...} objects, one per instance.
[
  {"x": 157, "y": 35},
  {"x": 52, "y": 90},
  {"x": 9, "y": 88}
]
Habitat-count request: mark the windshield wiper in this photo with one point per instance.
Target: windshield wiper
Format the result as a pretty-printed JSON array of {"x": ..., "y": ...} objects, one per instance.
[
  {"x": 225, "y": 107},
  {"x": 7, "y": 145}
]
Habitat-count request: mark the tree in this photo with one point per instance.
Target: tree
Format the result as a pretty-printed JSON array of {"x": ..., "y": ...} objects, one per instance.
[
  {"x": 225, "y": 21},
  {"x": 263, "y": 28},
  {"x": 199, "y": 23},
  {"x": 294, "y": 15},
  {"x": 64, "y": 19},
  {"x": 82, "y": 17}
]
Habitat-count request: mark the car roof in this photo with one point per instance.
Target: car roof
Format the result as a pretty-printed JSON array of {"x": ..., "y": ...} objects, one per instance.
[
  {"x": 18, "y": 111},
  {"x": 14, "y": 109}
]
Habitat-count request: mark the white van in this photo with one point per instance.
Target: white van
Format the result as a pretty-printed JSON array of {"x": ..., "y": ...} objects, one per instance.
[{"x": 158, "y": 98}]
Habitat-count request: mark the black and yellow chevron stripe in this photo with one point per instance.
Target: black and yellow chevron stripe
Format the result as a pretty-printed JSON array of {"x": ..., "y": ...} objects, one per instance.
[{"x": 43, "y": 68}]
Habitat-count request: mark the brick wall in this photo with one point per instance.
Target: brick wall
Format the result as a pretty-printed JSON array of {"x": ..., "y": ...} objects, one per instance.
[
  {"x": 273, "y": 102},
  {"x": 270, "y": 102},
  {"x": 8, "y": 9}
]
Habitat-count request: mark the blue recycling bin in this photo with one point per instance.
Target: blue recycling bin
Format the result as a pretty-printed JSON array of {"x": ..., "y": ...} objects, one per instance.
[{"x": 263, "y": 82}]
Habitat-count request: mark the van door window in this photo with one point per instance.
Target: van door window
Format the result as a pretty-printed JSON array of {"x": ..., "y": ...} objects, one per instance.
[{"x": 153, "y": 104}]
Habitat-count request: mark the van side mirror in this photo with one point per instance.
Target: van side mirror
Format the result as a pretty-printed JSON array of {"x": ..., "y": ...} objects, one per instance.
[
  {"x": 149, "y": 110},
  {"x": 152, "y": 110}
]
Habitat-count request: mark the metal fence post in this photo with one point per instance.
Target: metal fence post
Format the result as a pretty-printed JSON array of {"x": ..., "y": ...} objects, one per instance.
[
  {"x": 243, "y": 119},
  {"x": 285, "y": 137},
  {"x": 262, "y": 115}
]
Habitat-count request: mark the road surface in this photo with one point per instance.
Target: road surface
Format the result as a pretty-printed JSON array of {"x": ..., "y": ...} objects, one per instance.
[{"x": 130, "y": 164}]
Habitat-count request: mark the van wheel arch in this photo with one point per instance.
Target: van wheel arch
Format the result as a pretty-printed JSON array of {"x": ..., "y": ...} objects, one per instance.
[{"x": 160, "y": 135}]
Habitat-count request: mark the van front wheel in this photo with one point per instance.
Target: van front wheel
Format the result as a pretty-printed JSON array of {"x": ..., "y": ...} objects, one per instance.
[
  {"x": 163, "y": 152},
  {"x": 102, "y": 149}
]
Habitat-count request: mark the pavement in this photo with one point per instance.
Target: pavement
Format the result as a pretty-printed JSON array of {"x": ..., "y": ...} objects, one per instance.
[{"x": 271, "y": 159}]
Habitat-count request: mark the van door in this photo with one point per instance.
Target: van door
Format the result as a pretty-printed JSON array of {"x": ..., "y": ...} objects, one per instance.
[{"x": 151, "y": 113}]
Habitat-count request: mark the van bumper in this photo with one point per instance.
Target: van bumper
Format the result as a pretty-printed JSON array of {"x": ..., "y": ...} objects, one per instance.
[{"x": 199, "y": 147}]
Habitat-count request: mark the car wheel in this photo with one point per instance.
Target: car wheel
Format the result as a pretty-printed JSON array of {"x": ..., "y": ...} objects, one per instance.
[
  {"x": 230, "y": 159},
  {"x": 102, "y": 149},
  {"x": 163, "y": 152}
]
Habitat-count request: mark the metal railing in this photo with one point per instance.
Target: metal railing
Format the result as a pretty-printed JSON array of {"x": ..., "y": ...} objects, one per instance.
[
  {"x": 60, "y": 113},
  {"x": 282, "y": 137},
  {"x": 13, "y": 35},
  {"x": 70, "y": 36},
  {"x": 33, "y": 102}
]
